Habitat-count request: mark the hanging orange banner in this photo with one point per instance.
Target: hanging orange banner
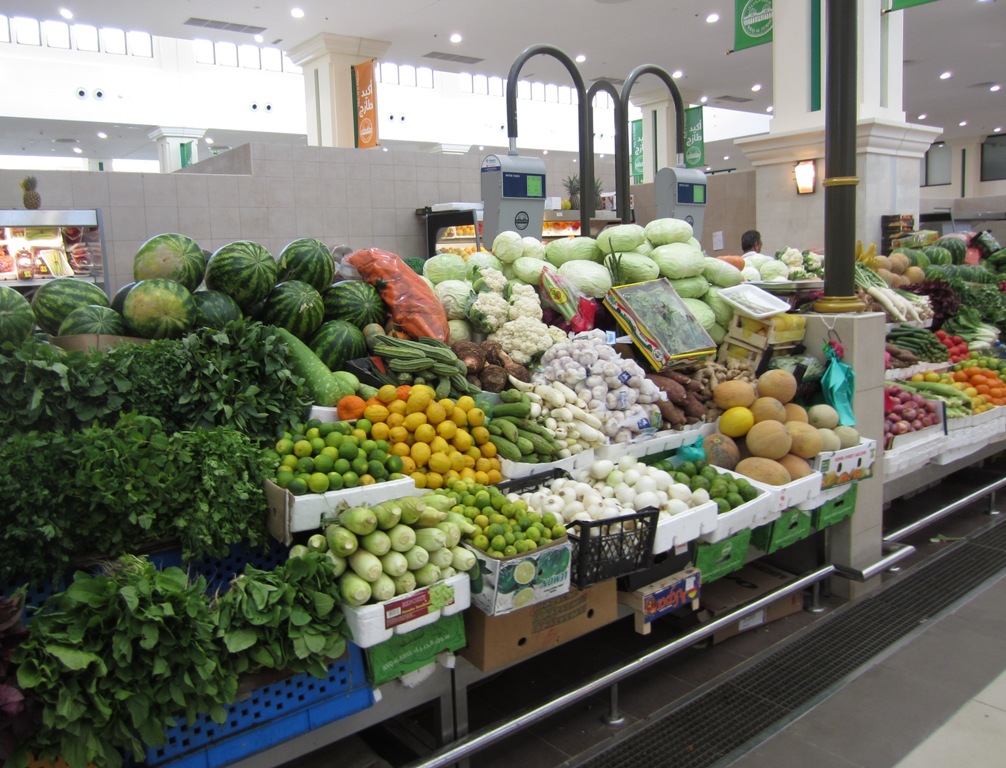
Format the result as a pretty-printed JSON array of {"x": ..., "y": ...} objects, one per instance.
[{"x": 365, "y": 105}]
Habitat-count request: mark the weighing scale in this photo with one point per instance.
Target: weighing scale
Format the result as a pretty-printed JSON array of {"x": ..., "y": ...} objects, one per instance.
[
  {"x": 513, "y": 196},
  {"x": 681, "y": 194}
]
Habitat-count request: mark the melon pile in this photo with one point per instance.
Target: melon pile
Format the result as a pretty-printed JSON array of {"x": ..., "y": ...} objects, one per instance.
[{"x": 765, "y": 436}]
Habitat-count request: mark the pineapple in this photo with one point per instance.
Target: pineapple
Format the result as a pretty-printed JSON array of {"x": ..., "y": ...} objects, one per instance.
[
  {"x": 32, "y": 199},
  {"x": 572, "y": 185}
]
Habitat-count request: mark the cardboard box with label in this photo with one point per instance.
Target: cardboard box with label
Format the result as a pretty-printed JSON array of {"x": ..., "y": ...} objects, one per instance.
[
  {"x": 495, "y": 642},
  {"x": 506, "y": 584},
  {"x": 742, "y": 586}
]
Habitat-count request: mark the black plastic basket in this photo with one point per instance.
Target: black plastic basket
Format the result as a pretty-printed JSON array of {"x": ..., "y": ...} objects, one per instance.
[
  {"x": 599, "y": 555},
  {"x": 532, "y": 481}
]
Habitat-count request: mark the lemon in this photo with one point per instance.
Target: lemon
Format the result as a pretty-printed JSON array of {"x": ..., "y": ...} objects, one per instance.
[
  {"x": 380, "y": 431},
  {"x": 457, "y": 460},
  {"x": 414, "y": 420},
  {"x": 439, "y": 462},
  {"x": 387, "y": 394},
  {"x": 396, "y": 419},
  {"x": 476, "y": 417},
  {"x": 425, "y": 433},
  {"x": 434, "y": 480},
  {"x": 466, "y": 403},
  {"x": 436, "y": 413},
  {"x": 408, "y": 465},
  {"x": 438, "y": 444},
  {"x": 462, "y": 440},
  {"x": 460, "y": 417},
  {"x": 488, "y": 450},
  {"x": 420, "y": 453},
  {"x": 419, "y": 478},
  {"x": 367, "y": 480}
]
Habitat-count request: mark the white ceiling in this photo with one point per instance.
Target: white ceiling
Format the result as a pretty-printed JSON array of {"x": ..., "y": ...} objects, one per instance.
[{"x": 966, "y": 37}]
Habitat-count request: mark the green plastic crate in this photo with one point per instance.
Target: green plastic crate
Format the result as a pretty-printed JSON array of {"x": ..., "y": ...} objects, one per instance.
[
  {"x": 717, "y": 560},
  {"x": 792, "y": 525},
  {"x": 836, "y": 510},
  {"x": 408, "y": 652}
]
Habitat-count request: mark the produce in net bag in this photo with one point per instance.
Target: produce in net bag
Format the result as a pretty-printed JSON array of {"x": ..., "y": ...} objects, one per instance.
[{"x": 414, "y": 307}]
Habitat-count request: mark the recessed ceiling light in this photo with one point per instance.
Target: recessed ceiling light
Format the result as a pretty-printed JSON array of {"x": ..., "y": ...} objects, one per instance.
[
  {"x": 756, "y": 87},
  {"x": 102, "y": 135},
  {"x": 259, "y": 38},
  {"x": 923, "y": 116},
  {"x": 384, "y": 148},
  {"x": 676, "y": 74},
  {"x": 997, "y": 129},
  {"x": 580, "y": 59},
  {"x": 481, "y": 147},
  {"x": 544, "y": 151},
  {"x": 946, "y": 75},
  {"x": 297, "y": 13},
  {"x": 703, "y": 99},
  {"x": 601, "y": 156},
  {"x": 726, "y": 157},
  {"x": 962, "y": 123},
  {"x": 66, "y": 13},
  {"x": 208, "y": 139},
  {"x": 78, "y": 150},
  {"x": 712, "y": 18},
  {"x": 769, "y": 108},
  {"x": 995, "y": 88},
  {"x": 455, "y": 38}
]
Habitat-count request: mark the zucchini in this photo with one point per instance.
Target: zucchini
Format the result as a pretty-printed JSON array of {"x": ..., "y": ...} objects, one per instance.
[
  {"x": 524, "y": 445},
  {"x": 325, "y": 388},
  {"x": 508, "y": 429},
  {"x": 521, "y": 410},
  {"x": 505, "y": 448}
]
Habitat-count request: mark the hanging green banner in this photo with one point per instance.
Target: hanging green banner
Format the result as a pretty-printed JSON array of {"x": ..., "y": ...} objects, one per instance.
[
  {"x": 900, "y": 5},
  {"x": 636, "y": 151},
  {"x": 695, "y": 148},
  {"x": 752, "y": 23}
]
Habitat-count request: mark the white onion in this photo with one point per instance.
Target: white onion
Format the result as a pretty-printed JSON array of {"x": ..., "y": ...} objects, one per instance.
[
  {"x": 601, "y": 469},
  {"x": 645, "y": 500},
  {"x": 645, "y": 484},
  {"x": 625, "y": 494},
  {"x": 699, "y": 496},
  {"x": 615, "y": 478},
  {"x": 628, "y": 461},
  {"x": 676, "y": 506},
  {"x": 632, "y": 477}
]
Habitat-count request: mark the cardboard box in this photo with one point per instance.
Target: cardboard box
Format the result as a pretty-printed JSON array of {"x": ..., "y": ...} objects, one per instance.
[
  {"x": 393, "y": 658},
  {"x": 846, "y": 465},
  {"x": 498, "y": 641},
  {"x": 94, "y": 342},
  {"x": 649, "y": 603},
  {"x": 750, "y": 582},
  {"x": 506, "y": 584}
]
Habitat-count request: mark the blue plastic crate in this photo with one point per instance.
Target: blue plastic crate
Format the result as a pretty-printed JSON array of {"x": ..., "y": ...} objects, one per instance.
[{"x": 268, "y": 716}]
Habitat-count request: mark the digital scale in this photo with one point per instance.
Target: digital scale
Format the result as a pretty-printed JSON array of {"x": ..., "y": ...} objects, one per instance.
[
  {"x": 681, "y": 194},
  {"x": 513, "y": 196}
]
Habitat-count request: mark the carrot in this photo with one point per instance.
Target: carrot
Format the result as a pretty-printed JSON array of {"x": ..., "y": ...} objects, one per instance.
[{"x": 413, "y": 306}]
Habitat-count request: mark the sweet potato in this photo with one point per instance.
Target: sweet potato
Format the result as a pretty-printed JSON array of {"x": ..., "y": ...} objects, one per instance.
[
  {"x": 670, "y": 413},
  {"x": 675, "y": 392}
]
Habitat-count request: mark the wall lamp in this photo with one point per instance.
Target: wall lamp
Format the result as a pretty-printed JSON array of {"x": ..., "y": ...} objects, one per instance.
[{"x": 806, "y": 177}]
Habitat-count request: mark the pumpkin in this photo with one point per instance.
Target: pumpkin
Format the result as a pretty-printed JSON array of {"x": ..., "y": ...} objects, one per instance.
[{"x": 736, "y": 261}]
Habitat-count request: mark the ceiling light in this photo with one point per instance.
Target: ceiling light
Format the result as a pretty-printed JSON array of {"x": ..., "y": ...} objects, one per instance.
[
  {"x": 945, "y": 75},
  {"x": 455, "y": 38},
  {"x": 384, "y": 148},
  {"x": 712, "y": 18},
  {"x": 676, "y": 74},
  {"x": 962, "y": 123},
  {"x": 66, "y": 13},
  {"x": 544, "y": 151},
  {"x": 78, "y": 150},
  {"x": 726, "y": 157},
  {"x": 922, "y": 116},
  {"x": 102, "y": 135},
  {"x": 756, "y": 87},
  {"x": 580, "y": 59},
  {"x": 481, "y": 147},
  {"x": 703, "y": 100},
  {"x": 995, "y": 88},
  {"x": 297, "y": 13},
  {"x": 208, "y": 139},
  {"x": 997, "y": 129},
  {"x": 601, "y": 156},
  {"x": 259, "y": 38},
  {"x": 769, "y": 108}
]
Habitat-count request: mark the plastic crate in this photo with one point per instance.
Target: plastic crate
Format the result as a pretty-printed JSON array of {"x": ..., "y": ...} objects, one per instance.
[
  {"x": 532, "y": 481},
  {"x": 792, "y": 526},
  {"x": 835, "y": 510},
  {"x": 717, "y": 559},
  {"x": 268, "y": 716},
  {"x": 599, "y": 555}
]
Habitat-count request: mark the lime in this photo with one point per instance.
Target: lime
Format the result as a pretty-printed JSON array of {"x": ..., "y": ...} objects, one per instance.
[
  {"x": 284, "y": 446},
  {"x": 318, "y": 482},
  {"x": 303, "y": 448},
  {"x": 359, "y": 464},
  {"x": 363, "y": 424},
  {"x": 382, "y": 445},
  {"x": 498, "y": 499},
  {"x": 324, "y": 462},
  {"x": 510, "y": 537},
  {"x": 376, "y": 468},
  {"x": 305, "y": 464},
  {"x": 317, "y": 444},
  {"x": 723, "y": 506},
  {"x": 326, "y": 429},
  {"x": 558, "y": 531},
  {"x": 335, "y": 481},
  {"x": 368, "y": 445},
  {"x": 699, "y": 465},
  {"x": 734, "y": 499},
  {"x": 393, "y": 463},
  {"x": 687, "y": 468},
  {"x": 342, "y": 466},
  {"x": 480, "y": 520},
  {"x": 376, "y": 454},
  {"x": 334, "y": 439},
  {"x": 348, "y": 450},
  {"x": 312, "y": 433},
  {"x": 509, "y": 550},
  {"x": 297, "y": 487},
  {"x": 283, "y": 477},
  {"x": 480, "y": 542},
  {"x": 747, "y": 492},
  {"x": 312, "y": 424},
  {"x": 532, "y": 534},
  {"x": 709, "y": 472},
  {"x": 328, "y": 450},
  {"x": 498, "y": 543},
  {"x": 289, "y": 461},
  {"x": 530, "y": 543},
  {"x": 681, "y": 477},
  {"x": 494, "y": 530},
  {"x": 350, "y": 479},
  {"x": 548, "y": 519},
  {"x": 698, "y": 482},
  {"x": 525, "y": 572}
]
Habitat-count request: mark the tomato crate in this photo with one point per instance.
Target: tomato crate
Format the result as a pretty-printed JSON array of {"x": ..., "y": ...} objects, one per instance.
[
  {"x": 600, "y": 554},
  {"x": 835, "y": 510},
  {"x": 269, "y": 715}
]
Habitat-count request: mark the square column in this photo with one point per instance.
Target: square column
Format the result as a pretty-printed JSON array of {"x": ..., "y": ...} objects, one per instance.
[{"x": 169, "y": 146}]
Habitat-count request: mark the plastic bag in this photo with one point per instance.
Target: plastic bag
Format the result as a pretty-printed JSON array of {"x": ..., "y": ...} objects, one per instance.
[
  {"x": 692, "y": 451},
  {"x": 559, "y": 294},
  {"x": 839, "y": 384},
  {"x": 413, "y": 305}
]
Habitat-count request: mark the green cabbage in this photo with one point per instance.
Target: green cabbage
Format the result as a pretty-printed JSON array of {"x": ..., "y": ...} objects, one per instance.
[
  {"x": 773, "y": 270},
  {"x": 621, "y": 237},
  {"x": 588, "y": 277},
  {"x": 558, "y": 252},
  {"x": 723, "y": 311},
  {"x": 528, "y": 269},
  {"x": 695, "y": 243},
  {"x": 533, "y": 248},
  {"x": 664, "y": 231},
  {"x": 751, "y": 274},
  {"x": 721, "y": 273},
  {"x": 717, "y": 333},
  {"x": 632, "y": 267},
  {"x": 701, "y": 312},
  {"x": 691, "y": 287},
  {"x": 678, "y": 260},
  {"x": 455, "y": 296},
  {"x": 645, "y": 248},
  {"x": 481, "y": 259},
  {"x": 459, "y": 329},
  {"x": 508, "y": 247},
  {"x": 445, "y": 266}
]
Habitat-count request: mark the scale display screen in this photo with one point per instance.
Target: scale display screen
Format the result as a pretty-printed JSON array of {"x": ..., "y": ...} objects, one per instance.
[
  {"x": 523, "y": 185},
  {"x": 691, "y": 193}
]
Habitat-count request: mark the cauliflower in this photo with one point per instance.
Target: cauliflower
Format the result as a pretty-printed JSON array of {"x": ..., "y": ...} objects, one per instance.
[
  {"x": 558, "y": 335},
  {"x": 488, "y": 312},
  {"x": 792, "y": 258},
  {"x": 813, "y": 262},
  {"x": 490, "y": 279},
  {"x": 524, "y": 302},
  {"x": 523, "y": 339}
]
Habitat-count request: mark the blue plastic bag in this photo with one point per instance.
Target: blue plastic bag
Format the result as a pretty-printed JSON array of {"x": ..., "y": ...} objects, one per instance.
[{"x": 839, "y": 384}]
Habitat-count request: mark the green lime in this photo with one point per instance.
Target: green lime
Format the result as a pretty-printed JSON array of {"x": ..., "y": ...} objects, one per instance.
[
  {"x": 334, "y": 439},
  {"x": 480, "y": 542},
  {"x": 382, "y": 445},
  {"x": 359, "y": 464},
  {"x": 303, "y": 448},
  {"x": 723, "y": 506},
  {"x": 748, "y": 492},
  {"x": 297, "y": 487},
  {"x": 289, "y": 461},
  {"x": 364, "y": 424},
  {"x": 558, "y": 531},
  {"x": 284, "y": 446},
  {"x": 498, "y": 499},
  {"x": 709, "y": 472},
  {"x": 350, "y": 479},
  {"x": 342, "y": 466},
  {"x": 377, "y": 470},
  {"x": 681, "y": 477},
  {"x": 324, "y": 462},
  {"x": 548, "y": 520},
  {"x": 328, "y": 450},
  {"x": 335, "y": 481},
  {"x": 510, "y": 537},
  {"x": 343, "y": 427},
  {"x": 498, "y": 543},
  {"x": 376, "y": 454},
  {"x": 687, "y": 468},
  {"x": 348, "y": 450},
  {"x": 734, "y": 500},
  {"x": 312, "y": 433},
  {"x": 283, "y": 477},
  {"x": 699, "y": 465},
  {"x": 394, "y": 464},
  {"x": 313, "y": 424},
  {"x": 699, "y": 482},
  {"x": 532, "y": 534},
  {"x": 509, "y": 550},
  {"x": 317, "y": 444},
  {"x": 318, "y": 482},
  {"x": 326, "y": 429},
  {"x": 305, "y": 464}
]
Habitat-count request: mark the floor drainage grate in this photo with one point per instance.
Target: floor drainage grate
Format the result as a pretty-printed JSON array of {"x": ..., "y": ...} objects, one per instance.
[{"x": 710, "y": 726}]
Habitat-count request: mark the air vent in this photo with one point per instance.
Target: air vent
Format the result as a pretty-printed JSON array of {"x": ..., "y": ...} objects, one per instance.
[
  {"x": 227, "y": 26},
  {"x": 612, "y": 80},
  {"x": 451, "y": 57},
  {"x": 983, "y": 86},
  {"x": 733, "y": 99}
]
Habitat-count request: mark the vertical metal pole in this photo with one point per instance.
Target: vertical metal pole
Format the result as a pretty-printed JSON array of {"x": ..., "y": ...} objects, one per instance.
[
  {"x": 841, "y": 65},
  {"x": 815, "y": 598},
  {"x": 614, "y": 717},
  {"x": 992, "y": 504}
]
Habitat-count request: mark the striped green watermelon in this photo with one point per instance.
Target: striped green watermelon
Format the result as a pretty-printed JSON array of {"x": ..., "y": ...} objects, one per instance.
[
  {"x": 938, "y": 255},
  {"x": 17, "y": 320},
  {"x": 309, "y": 261},
  {"x": 336, "y": 342},
  {"x": 957, "y": 247},
  {"x": 57, "y": 298},
  {"x": 354, "y": 301},
  {"x": 215, "y": 309},
  {"x": 120, "y": 297},
  {"x": 159, "y": 309},
  {"x": 244, "y": 270},
  {"x": 93, "y": 318},
  {"x": 296, "y": 306},
  {"x": 173, "y": 257}
]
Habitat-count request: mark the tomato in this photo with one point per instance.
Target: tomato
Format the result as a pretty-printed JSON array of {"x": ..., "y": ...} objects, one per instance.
[{"x": 957, "y": 340}]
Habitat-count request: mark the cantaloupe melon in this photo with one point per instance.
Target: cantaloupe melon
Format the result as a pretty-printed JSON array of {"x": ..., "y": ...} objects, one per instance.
[
  {"x": 823, "y": 416},
  {"x": 796, "y": 412},
  {"x": 829, "y": 440},
  {"x": 768, "y": 440},
  {"x": 721, "y": 450},
  {"x": 733, "y": 394},
  {"x": 806, "y": 439},
  {"x": 768, "y": 409},
  {"x": 796, "y": 466},
  {"x": 764, "y": 470},
  {"x": 848, "y": 436},
  {"x": 735, "y": 422},
  {"x": 777, "y": 383}
]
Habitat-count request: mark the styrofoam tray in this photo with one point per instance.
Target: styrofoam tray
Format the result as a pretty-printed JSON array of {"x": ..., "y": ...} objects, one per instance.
[
  {"x": 796, "y": 492},
  {"x": 752, "y": 293},
  {"x": 676, "y": 530},
  {"x": 826, "y": 495},
  {"x": 667, "y": 440},
  {"x": 516, "y": 469},
  {"x": 915, "y": 455},
  {"x": 373, "y": 624}
]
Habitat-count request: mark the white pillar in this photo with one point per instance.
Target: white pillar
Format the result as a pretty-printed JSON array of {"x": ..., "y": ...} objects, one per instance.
[
  {"x": 659, "y": 143},
  {"x": 169, "y": 146},
  {"x": 327, "y": 62}
]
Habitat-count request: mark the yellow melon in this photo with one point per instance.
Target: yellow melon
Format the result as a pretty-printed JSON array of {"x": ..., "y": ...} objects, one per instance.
[
  {"x": 778, "y": 384},
  {"x": 736, "y": 421},
  {"x": 721, "y": 451},
  {"x": 806, "y": 439},
  {"x": 768, "y": 409},
  {"x": 764, "y": 470},
  {"x": 768, "y": 440},
  {"x": 733, "y": 394},
  {"x": 796, "y": 466},
  {"x": 796, "y": 412}
]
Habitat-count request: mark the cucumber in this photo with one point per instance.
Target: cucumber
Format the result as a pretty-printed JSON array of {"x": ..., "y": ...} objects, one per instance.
[
  {"x": 521, "y": 410},
  {"x": 541, "y": 445},
  {"x": 505, "y": 448},
  {"x": 511, "y": 396},
  {"x": 524, "y": 445},
  {"x": 508, "y": 429}
]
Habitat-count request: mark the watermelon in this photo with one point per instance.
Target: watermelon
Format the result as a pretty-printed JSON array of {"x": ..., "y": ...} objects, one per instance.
[
  {"x": 309, "y": 261},
  {"x": 93, "y": 318},
  {"x": 57, "y": 298},
  {"x": 159, "y": 309},
  {"x": 173, "y": 257},
  {"x": 215, "y": 309},
  {"x": 336, "y": 342},
  {"x": 120, "y": 296},
  {"x": 296, "y": 306},
  {"x": 244, "y": 270},
  {"x": 17, "y": 320},
  {"x": 938, "y": 255},
  {"x": 916, "y": 258},
  {"x": 957, "y": 247},
  {"x": 354, "y": 301}
]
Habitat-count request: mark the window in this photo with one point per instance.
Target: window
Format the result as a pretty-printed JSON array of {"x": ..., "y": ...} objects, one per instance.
[
  {"x": 289, "y": 66},
  {"x": 407, "y": 75},
  {"x": 994, "y": 158},
  {"x": 424, "y": 77},
  {"x": 227, "y": 54},
  {"x": 26, "y": 31},
  {"x": 57, "y": 34},
  {"x": 249, "y": 57},
  {"x": 936, "y": 166},
  {"x": 140, "y": 44},
  {"x": 85, "y": 37},
  {"x": 113, "y": 40},
  {"x": 4, "y": 30},
  {"x": 272, "y": 59},
  {"x": 389, "y": 73}
]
